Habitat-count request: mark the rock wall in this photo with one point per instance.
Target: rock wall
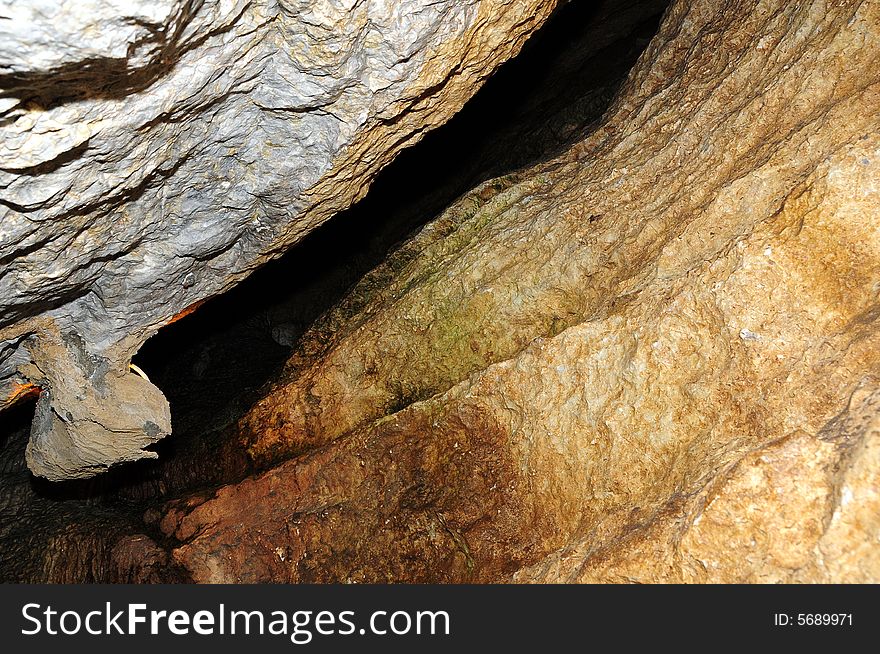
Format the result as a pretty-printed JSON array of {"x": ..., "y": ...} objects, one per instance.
[
  {"x": 652, "y": 358},
  {"x": 153, "y": 154}
]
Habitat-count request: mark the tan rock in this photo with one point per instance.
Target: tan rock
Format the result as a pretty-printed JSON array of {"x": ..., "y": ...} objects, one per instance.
[
  {"x": 800, "y": 509},
  {"x": 654, "y": 358}
]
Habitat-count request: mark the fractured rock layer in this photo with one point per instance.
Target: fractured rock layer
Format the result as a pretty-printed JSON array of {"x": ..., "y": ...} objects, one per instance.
[
  {"x": 153, "y": 154},
  {"x": 654, "y": 357}
]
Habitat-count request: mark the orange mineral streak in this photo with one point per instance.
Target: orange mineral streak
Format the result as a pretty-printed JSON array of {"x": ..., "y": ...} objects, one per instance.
[
  {"x": 183, "y": 314},
  {"x": 21, "y": 392}
]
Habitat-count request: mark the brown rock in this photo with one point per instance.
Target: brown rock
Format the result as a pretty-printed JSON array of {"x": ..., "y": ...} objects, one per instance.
[{"x": 653, "y": 358}]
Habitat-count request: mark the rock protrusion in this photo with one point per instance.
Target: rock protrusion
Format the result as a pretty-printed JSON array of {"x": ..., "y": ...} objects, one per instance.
[{"x": 90, "y": 413}]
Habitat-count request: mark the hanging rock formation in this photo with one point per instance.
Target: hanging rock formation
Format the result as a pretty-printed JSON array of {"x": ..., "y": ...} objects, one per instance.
[
  {"x": 152, "y": 154},
  {"x": 654, "y": 358}
]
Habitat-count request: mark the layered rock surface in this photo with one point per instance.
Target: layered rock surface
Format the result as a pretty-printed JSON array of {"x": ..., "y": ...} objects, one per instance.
[
  {"x": 653, "y": 358},
  {"x": 155, "y": 153}
]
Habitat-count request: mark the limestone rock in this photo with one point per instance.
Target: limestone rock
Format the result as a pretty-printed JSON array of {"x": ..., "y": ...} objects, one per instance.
[
  {"x": 653, "y": 358},
  {"x": 152, "y": 154}
]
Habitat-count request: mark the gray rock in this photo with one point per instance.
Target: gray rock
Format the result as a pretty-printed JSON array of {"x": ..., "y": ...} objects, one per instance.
[{"x": 153, "y": 154}]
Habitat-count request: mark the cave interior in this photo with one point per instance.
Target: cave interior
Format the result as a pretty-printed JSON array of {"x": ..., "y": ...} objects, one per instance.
[{"x": 212, "y": 365}]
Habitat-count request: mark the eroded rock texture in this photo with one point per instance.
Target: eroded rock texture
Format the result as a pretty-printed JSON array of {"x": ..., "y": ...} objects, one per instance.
[
  {"x": 652, "y": 358},
  {"x": 155, "y": 153}
]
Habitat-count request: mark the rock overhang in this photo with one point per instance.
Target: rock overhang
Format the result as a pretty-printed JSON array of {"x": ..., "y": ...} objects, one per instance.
[{"x": 163, "y": 160}]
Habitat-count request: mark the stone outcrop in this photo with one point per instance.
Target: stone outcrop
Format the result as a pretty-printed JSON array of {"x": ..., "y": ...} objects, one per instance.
[
  {"x": 652, "y": 358},
  {"x": 153, "y": 154}
]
